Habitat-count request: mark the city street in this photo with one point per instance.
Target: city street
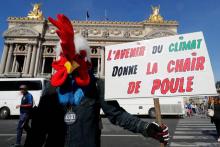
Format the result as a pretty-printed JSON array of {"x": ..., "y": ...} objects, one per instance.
[
  {"x": 187, "y": 132},
  {"x": 63, "y": 61}
]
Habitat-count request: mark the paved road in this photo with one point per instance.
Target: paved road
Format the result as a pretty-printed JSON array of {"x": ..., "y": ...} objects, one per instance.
[
  {"x": 194, "y": 132},
  {"x": 112, "y": 136},
  {"x": 188, "y": 132}
]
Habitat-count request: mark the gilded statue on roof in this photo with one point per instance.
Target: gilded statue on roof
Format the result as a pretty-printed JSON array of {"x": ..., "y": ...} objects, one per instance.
[
  {"x": 155, "y": 16},
  {"x": 36, "y": 13}
]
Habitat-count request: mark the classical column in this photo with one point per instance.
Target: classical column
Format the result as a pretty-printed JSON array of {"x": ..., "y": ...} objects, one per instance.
[
  {"x": 36, "y": 68},
  {"x": 13, "y": 65},
  {"x": 16, "y": 66},
  {"x": 42, "y": 69},
  {"x": 8, "y": 63},
  {"x": 25, "y": 59},
  {"x": 98, "y": 67},
  {"x": 4, "y": 58},
  {"x": 27, "y": 62},
  {"x": 102, "y": 52},
  {"x": 33, "y": 58}
]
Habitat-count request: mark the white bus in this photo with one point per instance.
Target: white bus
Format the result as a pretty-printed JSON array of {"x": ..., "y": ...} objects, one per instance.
[
  {"x": 10, "y": 95},
  {"x": 145, "y": 106}
]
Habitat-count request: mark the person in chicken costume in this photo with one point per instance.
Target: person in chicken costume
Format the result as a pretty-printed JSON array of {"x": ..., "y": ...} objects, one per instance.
[{"x": 69, "y": 110}]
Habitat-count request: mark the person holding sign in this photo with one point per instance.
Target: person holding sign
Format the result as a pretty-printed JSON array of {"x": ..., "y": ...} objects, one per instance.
[{"x": 69, "y": 110}]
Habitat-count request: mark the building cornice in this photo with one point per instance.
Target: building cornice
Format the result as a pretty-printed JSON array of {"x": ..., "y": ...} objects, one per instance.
[
  {"x": 25, "y": 19},
  {"x": 98, "y": 23},
  {"x": 170, "y": 22}
]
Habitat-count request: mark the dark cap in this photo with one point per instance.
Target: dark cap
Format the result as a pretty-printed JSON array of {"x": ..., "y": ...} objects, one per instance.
[{"x": 23, "y": 87}]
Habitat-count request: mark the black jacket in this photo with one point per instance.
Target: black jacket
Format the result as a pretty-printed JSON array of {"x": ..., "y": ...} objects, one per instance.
[
  {"x": 216, "y": 111},
  {"x": 49, "y": 129}
]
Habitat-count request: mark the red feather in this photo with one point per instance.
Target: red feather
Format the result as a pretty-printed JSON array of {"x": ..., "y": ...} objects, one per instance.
[{"x": 66, "y": 35}]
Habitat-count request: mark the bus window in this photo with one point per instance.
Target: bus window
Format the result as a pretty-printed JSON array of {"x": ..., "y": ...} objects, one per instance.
[
  {"x": 8, "y": 86},
  {"x": 14, "y": 85},
  {"x": 32, "y": 85}
]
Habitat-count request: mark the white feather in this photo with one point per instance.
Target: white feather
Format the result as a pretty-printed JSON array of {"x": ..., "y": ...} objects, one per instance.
[{"x": 80, "y": 44}]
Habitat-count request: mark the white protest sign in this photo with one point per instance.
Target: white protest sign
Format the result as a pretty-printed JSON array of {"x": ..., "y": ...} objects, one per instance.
[{"x": 169, "y": 66}]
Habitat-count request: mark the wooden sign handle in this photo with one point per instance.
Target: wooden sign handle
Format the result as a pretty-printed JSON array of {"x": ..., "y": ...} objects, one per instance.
[{"x": 158, "y": 114}]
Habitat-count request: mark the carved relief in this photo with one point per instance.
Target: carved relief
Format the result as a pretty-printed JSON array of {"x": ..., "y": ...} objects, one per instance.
[
  {"x": 51, "y": 42},
  {"x": 127, "y": 34},
  {"x": 95, "y": 31},
  {"x": 105, "y": 34},
  {"x": 49, "y": 51},
  {"x": 157, "y": 34},
  {"x": 85, "y": 33},
  {"x": 115, "y": 32},
  {"x": 21, "y": 31},
  {"x": 136, "y": 32},
  {"x": 94, "y": 51},
  {"x": 20, "y": 48}
]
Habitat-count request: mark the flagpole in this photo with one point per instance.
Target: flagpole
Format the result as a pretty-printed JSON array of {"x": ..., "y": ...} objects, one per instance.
[
  {"x": 87, "y": 15},
  {"x": 105, "y": 14}
]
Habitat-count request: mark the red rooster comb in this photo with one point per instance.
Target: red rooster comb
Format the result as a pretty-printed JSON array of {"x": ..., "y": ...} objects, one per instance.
[{"x": 75, "y": 54}]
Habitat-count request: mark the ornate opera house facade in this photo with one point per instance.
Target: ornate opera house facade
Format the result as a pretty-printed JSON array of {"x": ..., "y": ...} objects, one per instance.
[{"x": 30, "y": 42}]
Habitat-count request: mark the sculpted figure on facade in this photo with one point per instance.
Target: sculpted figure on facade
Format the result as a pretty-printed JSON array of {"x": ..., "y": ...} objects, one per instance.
[
  {"x": 126, "y": 34},
  {"x": 85, "y": 33},
  {"x": 105, "y": 34},
  {"x": 36, "y": 13},
  {"x": 155, "y": 16}
]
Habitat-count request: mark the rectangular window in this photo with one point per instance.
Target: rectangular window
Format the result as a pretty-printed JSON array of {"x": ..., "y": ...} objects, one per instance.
[
  {"x": 14, "y": 85},
  {"x": 48, "y": 65},
  {"x": 20, "y": 63},
  {"x": 94, "y": 65}
]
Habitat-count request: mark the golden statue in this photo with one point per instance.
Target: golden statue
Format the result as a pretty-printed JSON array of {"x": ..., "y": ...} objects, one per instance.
[
  {"x": 36, "y": 13},
  {"x": 155, "y": 16}
]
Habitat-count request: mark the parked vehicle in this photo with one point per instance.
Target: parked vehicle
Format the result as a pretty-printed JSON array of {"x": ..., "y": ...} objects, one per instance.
[
  {"x": 145, "y": 106},
  {"x": 10, "y": 95}
]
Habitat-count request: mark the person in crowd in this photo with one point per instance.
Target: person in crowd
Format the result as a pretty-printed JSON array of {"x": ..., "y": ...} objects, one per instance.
[
  {"x": 214, "y": 103},
  {"x": 193, "y": 108},
  {"x": 189, "y": 107},
  {"x": 25, "y": 109},
  {"x": 186, "y": 109}
]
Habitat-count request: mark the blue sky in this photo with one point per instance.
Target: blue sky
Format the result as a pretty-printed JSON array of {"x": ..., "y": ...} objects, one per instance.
[{"x": 192, "y": 15}]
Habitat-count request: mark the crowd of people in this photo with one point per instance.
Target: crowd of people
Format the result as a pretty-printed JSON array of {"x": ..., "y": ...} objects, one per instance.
[
  {"x": 209, "y": 109},
  {"x": 192, "y": 108}
]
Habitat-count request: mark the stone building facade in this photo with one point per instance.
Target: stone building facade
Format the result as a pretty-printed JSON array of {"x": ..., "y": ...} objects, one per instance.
[{"x": 30, "y": 42}]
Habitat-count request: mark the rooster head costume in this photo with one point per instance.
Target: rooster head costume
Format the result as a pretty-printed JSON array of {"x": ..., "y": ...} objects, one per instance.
[{"x": 73, "y": 63}]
